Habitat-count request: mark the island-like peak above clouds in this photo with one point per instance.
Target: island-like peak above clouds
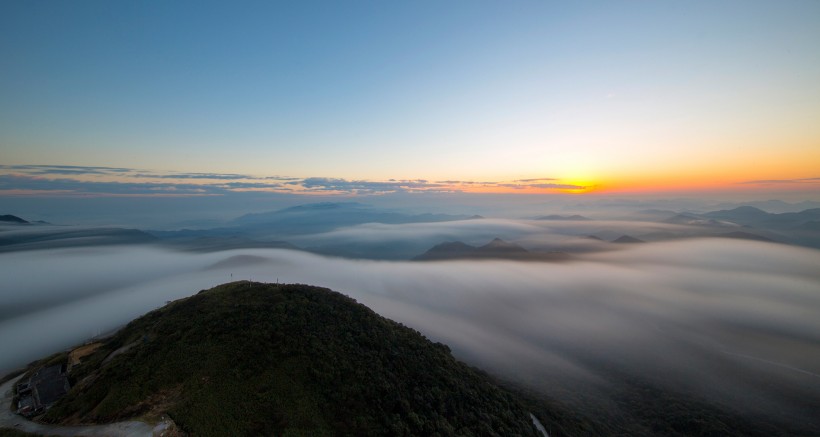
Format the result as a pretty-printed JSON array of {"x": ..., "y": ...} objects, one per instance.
[
  {"x": 750, "y": 214},
  {"x": 574, "y": 217},
  {"x": 783, "y": 222},
  {"x": 495, "y": 249},
  {"x": 498, "y": 245},
  {"x": 330, "y": 215},
  {"x": 8, "y": 218},
  {"x": 270, "y": 359},
  {"x": 627, "y": 239},
  {"x": 741, "y": 212}
]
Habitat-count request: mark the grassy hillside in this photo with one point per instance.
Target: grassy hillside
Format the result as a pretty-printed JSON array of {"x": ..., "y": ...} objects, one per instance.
[{"x": 262, "y": 359}]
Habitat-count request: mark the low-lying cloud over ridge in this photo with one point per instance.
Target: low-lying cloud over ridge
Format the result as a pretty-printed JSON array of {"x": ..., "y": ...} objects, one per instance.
[{"x": 709, "y": 317}]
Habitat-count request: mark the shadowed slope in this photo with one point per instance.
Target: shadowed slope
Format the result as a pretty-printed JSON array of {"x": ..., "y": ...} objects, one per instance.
[{"x": 262, "y": 359}]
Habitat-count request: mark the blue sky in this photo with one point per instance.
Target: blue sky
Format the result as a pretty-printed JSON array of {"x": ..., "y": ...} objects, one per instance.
[{"x": 630, "y": 93}]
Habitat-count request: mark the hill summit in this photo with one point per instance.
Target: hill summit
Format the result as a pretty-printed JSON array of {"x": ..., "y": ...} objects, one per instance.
[{"x": 270, "y": 359}]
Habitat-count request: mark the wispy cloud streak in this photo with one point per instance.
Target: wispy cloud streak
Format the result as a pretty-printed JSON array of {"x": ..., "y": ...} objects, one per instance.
[
  {"x": 782, "y": 181},
  {"x": 114, "y": 181}
]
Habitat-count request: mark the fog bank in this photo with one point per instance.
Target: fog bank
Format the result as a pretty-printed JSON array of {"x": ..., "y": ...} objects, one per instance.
[{"x": 713, "y": 317}]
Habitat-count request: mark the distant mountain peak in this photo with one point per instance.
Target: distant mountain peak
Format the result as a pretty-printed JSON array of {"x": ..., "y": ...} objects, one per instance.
[
  {"x": 324, "y": 206},
  {"x": 746, "y": 209},
  {"x": 627, "y": 239},
  {"x": 8, "y": 218},
  {"x": 326, "y": 216},
  {"x": 495, "y": 249},
  {"x": 574, "y": 217},
  {"x": 498, "y": 244}
]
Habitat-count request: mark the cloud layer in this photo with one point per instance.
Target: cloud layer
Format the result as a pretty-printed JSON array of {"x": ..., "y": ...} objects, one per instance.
[
  {"x": 707, "y": 317},
  {"x": 112, "y": 181}
]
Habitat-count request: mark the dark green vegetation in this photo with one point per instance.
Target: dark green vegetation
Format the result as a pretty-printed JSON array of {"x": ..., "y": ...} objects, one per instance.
[
  {"x": 637, "y": 407},
  {"x": 262, "y": 359}
]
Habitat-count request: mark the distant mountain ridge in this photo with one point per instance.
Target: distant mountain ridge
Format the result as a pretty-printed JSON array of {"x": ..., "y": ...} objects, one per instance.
[
  {"x": 744, "y": 222},
  {"x": 259, "y": 229},
  {"x": 574, "y": 217},
  {"x": 8, "y": 218},
  {"x": 495, "y": 249},
  {"x": 770, "y": 206},
  {"x": 330, "y": 215},
  {"x": 627, "y": 239},
  {"x": 290, "y": 228},
  {"x": 789, "y": 227}
]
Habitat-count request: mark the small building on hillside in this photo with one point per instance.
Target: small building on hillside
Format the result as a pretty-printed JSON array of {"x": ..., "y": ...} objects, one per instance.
[{"x": 42, "y": 390}]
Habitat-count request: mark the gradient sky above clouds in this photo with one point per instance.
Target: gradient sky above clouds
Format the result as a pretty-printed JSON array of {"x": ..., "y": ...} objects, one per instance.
[{"x": 619, "y": 95}]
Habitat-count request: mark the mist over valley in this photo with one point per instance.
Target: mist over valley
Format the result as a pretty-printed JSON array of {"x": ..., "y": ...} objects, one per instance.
[
  {"x": 685, "y": 311},
  {"x": 410, "y": 218}
]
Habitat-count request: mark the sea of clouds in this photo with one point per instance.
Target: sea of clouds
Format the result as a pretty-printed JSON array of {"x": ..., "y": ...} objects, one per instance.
[{"x": 736, "y": 322}]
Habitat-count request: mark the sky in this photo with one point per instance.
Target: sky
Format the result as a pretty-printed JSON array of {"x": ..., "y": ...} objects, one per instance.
[{"x": 340, "y": 98}]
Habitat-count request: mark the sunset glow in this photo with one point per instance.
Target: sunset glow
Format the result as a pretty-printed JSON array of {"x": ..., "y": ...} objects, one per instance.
[
  {"x": 596, "y": 98},
  {"x": 410, "y": 217}
]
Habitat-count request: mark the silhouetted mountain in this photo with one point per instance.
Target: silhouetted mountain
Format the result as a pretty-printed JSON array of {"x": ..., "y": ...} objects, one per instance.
[
  {"x": 8, "y": 218},
  {"x": 793, "y": 218},
  {"x": 787, "y": 228},
  {"x": 753, "y": 217},
  {"x": 741, "y": 214},
  {"x": 575, "y": 217},
  {"x": 323, "y": 217},
  {"x": 499, "y": 247},
  {"x": 627, "y": 239},
  {"x": 652, "y": 215},
  {"x": 247, "y": 359},
  {"x": 448, "y": 250},
  {"x": 771, "y": 206},
  {"x": 681, "y": 219},
  {"x": 695, "y": 220},
  {"x": 810, "y": 226},
  {"x": 260, "y": 229},
  {"x": 495, "y": 249}
]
